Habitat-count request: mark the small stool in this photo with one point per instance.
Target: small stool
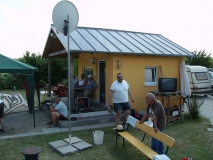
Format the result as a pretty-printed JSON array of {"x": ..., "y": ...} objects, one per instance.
[{"x": 31, "y": 153}]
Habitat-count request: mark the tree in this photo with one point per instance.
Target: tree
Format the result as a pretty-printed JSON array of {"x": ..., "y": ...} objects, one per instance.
[
  {"x": 59, "y": 67},
  {"x": 37, "y": 61},
  {"x": 201, "y": 58}
]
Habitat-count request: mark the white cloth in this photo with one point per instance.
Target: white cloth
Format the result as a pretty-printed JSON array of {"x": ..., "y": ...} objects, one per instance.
[
  {"x": 132, "y": 121},
  {"x": 161, "y": 157},
  {"x": 81, "y": 82},
  {"x": 184, "y": 80},
  {"x": 120, "y": 91}
]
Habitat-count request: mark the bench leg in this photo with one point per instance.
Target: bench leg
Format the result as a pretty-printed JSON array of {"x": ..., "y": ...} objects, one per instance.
[
  {"x": 116, "y": 139},
  {"x": 167, "y": 148},
  {"x": 123, "y": 142},
  {"x": 143, "y": 137}
]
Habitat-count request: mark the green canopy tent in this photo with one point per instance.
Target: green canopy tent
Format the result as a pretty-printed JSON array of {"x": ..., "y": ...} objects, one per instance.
[{"x": 8, "y": 65}]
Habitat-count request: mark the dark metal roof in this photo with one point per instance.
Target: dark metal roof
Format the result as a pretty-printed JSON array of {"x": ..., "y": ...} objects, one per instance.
[{"x": 97, "y": 40}]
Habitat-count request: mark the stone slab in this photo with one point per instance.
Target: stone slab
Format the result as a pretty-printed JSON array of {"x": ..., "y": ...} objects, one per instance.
[
  {"x": 64, "y": 148},
  {"x": 67, "y": 149},
  {"x": 210, "y": 129},
  {"x": 58, "y": 143},
  {"x": 73, "y": 140},
  {"x": 82, "y": 145}
]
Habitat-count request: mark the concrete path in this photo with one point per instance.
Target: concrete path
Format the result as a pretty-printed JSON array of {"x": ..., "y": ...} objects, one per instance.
[
  {"x": 57, "y": 130},
  {"x": 207, "y": 108}
]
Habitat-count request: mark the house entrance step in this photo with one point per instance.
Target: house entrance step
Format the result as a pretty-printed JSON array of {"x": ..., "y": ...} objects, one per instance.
[{"x": 77, "y": 121}]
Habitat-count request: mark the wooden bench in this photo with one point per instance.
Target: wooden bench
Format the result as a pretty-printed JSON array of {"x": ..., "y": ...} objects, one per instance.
[{"x": 165, "y": 139}]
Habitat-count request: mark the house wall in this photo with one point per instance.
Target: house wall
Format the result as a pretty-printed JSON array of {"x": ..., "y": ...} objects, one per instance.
[{"x": 132, "y": 68}]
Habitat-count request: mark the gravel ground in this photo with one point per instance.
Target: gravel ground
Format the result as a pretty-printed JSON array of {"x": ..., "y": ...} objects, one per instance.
[{"x": 22, "y": 122}]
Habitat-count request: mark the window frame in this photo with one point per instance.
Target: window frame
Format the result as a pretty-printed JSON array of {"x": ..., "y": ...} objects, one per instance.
[
  {"x": 87, "y": 70},
  {"x": 201, "y": 76},
  {"x": 155, "y": 82}
]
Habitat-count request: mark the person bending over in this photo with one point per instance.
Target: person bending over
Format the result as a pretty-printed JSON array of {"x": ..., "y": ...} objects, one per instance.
[{"x": 155, "y": 111}]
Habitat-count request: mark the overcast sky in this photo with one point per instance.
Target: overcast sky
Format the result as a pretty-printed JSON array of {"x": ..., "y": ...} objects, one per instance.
[{"x": 25, "y": 24}]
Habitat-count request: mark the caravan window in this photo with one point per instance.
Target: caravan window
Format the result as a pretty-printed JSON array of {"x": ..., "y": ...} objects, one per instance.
[{"x": 201, "y": 76}]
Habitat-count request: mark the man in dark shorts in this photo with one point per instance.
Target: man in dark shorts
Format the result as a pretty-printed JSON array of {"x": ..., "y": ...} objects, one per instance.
[
  {"x": 1, "y": 116},
  {"x": 57, "y": 111},
  {"x": 118, "y": 98}
]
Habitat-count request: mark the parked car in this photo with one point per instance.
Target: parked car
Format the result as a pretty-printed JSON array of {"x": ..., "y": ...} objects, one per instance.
[
  {"x": 211, "y": 78},
  {"x": 210, "y": 69},
  {"x": 199, "y": 80}
]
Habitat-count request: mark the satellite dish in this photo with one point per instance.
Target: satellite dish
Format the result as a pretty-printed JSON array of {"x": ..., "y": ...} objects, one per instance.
[{"x": 59, "y": 15}]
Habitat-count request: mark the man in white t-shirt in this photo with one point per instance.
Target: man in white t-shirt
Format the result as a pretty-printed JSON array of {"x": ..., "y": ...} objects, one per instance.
[{"x": 118, "y": 98}]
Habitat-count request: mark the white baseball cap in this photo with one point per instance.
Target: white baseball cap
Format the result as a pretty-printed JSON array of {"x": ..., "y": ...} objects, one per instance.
[{"x": 89, "y": 75}]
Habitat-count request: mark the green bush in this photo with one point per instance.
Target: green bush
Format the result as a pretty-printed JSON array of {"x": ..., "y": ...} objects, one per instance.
[
  {"x": 8, "y": 81},
  {"x": 194, "y": 105}
]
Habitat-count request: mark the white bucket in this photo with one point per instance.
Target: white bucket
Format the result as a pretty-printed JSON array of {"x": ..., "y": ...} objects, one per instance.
[{"x": 98, "y": 137}]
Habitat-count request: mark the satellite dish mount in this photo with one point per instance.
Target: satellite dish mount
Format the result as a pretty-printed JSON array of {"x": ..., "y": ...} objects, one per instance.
[
  {"x": 66, "y": 25},
  {"x": 62, "y": 11}
]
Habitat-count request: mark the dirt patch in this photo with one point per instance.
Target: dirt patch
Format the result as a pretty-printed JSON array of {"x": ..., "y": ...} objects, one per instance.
[{"x": 23, "y": 122}]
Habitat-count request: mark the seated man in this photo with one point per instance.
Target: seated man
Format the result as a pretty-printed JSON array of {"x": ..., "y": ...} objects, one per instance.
[
  {"x": 57, "y": 111},
  {"x": 91, "y": 85}
]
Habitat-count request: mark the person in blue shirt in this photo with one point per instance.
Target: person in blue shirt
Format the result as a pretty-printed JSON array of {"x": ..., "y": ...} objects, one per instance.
[{"x": 58, "y": 111}]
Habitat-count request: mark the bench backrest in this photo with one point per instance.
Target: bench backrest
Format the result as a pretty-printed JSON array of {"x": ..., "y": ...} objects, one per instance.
[{"x": 167, "y": 140}]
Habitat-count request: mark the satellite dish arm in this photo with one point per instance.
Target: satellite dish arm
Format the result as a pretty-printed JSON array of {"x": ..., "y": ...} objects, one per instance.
[{"x": 66, "y": 27}]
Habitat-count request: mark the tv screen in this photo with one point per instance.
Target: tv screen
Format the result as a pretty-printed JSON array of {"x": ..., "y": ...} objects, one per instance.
[{"x": 167, "y": 84}]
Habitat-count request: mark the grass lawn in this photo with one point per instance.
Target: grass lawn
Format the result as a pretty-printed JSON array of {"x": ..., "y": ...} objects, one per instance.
[{"x": 192, "y": 140}]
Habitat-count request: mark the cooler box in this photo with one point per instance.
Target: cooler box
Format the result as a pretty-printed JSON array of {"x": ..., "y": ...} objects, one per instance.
[{"x": 83, "y": 102}]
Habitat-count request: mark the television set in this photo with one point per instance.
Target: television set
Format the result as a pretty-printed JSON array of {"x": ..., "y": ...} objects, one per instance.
[{"x": 167, "y": 84}]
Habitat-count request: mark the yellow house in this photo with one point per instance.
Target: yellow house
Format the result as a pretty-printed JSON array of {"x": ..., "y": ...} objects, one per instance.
[{"x": 141, "y": 57}]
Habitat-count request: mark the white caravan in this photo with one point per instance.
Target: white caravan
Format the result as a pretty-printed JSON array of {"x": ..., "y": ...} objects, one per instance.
[{"x": 199, "y": 79}]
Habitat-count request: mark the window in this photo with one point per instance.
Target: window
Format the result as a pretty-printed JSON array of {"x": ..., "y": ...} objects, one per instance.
[
  {"x": 151, "y": 76},
  {"x": 201, "y": 76},
  {"x": 87, "y": 71}
]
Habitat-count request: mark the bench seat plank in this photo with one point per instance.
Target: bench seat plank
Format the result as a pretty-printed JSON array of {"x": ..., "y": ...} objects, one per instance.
[
  {"x": 167, "y": 140},
  {"x": 138, "y": 144}
]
